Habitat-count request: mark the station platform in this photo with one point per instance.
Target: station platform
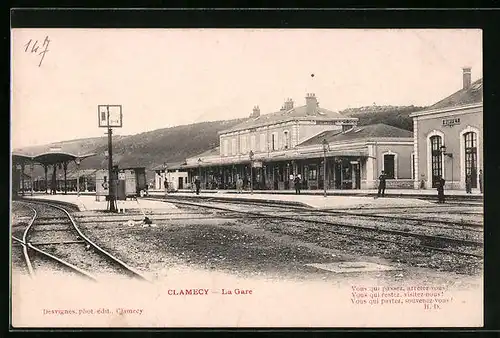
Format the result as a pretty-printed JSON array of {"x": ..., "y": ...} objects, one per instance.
[
  {"x": 314, "y": 201},
  {"x": 88, "y": 202},
  {"x": 343, "y": 199},
  {"x": 415, "y": 193}
]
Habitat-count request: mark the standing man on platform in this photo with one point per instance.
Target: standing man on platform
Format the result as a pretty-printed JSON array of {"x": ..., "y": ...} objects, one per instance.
[
  {"x": 197, "y": 183},
  {"x": 296, "y": 181},
  {"x": 165, "y": 185},
  {"x": 381, "y": 185},
  {"x": 440, "y": 189},
  {"x": 468, "y": 183},
  {"x": 481, "y": 180}
]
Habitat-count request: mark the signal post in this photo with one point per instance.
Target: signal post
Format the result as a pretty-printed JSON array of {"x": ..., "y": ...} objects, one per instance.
[{"x": 110, "y": 116}]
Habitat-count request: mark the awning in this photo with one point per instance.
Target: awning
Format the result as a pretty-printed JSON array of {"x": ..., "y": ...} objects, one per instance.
[
  {"x": 50, "y": 158},
  {"x": 277, "y": 158},
  {"x": 335, "y": 153},
  {"x": 21, "y": 159}
]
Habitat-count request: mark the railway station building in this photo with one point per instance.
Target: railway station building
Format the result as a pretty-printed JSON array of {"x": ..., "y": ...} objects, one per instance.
[
  {"x": 448, "y": 138},
  {"x": 177, "y": 179},
  {"x": 271, "y": 149}
]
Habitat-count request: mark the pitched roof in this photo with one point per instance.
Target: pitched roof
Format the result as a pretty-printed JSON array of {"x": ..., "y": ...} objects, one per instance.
[
  {"x": 473, "y": 94},
  {"x": 296, "y": 113},
  {"x": 209, "y": 152},
  {"x": 169, "y": 165},
  {"x": 359, "y": 132}
]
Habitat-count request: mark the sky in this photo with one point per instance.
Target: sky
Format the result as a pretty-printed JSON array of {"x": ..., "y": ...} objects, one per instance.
[{"x": 169, "y": 77}]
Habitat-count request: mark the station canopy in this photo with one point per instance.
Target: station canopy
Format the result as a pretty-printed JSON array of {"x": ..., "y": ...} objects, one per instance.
[
  {"x": 48, "y": 158},
  {"x": 21, "y": 159}
]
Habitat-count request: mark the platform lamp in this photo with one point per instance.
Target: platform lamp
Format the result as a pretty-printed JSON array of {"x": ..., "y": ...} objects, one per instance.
[
  {"x": 164, "y": 168},
  {"x": 77, "y": 162},
  {"x": 250, "y": 155},
  {"x": 199, "y": 169},
  {"x": 326, "y": 147},
  {"x": 450, "y": 155}
]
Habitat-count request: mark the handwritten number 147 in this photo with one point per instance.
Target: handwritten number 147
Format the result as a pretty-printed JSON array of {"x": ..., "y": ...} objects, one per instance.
[{"x": 35, "y": 46}]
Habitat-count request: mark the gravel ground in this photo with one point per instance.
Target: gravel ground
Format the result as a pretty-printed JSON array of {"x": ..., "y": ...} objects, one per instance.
[
  {"x": 418, "y": 227},
  {"x": 390, "y": 251},
  {"x": 17, "y": 258},
  {"x": 251, "y": 247},
  {"x": 21, "y": 215}
]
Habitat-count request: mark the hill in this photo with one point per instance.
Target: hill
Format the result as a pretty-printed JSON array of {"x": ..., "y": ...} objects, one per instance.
[
  {"x": 153, "y": 148},
  {"x": 147, "y": 149},
  {"x": 175, "y": 144},
  {"x": 396, "y": 116}
]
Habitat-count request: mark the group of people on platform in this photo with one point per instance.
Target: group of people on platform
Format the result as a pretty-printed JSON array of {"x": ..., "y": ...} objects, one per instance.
[{"x": 297, "y": 181}]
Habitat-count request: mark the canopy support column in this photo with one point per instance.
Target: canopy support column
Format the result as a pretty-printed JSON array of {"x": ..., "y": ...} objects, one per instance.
[
  {"x": 65, "y": 167},
  {"x": 54, "y": 180},
  {"x": 22, "y": 178},
  {"x": 45, "y": 168}
]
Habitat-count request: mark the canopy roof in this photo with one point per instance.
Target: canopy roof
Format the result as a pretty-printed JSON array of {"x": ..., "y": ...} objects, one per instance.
[
  {"x": 48, "y": 158},
  {"x": 21, "y": 159}
]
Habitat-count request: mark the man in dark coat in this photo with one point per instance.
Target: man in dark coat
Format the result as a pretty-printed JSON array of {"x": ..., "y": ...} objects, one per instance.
[
  {"x": 440, "y": 189},
  {"x": 165, "y": 185},
  {"x": 381, "y": 185},
  {"x": 481, "y": 180},
  {"x": 468, "y": 183},
  {"x": 296, "y": 181},
  {"x": 197, "y": 183}
]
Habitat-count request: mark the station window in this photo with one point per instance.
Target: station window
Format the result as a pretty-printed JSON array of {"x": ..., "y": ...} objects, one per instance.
[
  {"x": 274, "y": 141},
  {"x": 286, "y": 136},
  {"x": 313, "y": 174},
  {"x": 233, "y": 146},
  {"x": 252, "y": 142},
  {"x": 389, "y": 165},
  {"x": 243, "y": 144},
  {"x": 262, "y": 142},
  {"x": 226, "y": 147}
]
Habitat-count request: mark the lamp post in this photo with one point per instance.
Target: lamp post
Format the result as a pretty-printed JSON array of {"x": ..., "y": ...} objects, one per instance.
[
  {"x": 199, "y": 169},
  {"x": 164, "y": 169},
  {"x": 77, "y": 162},
  {"x": 250, "y": 155},
  {"x": 450, "y": 155},
  {"x": 326, "y": 147}
]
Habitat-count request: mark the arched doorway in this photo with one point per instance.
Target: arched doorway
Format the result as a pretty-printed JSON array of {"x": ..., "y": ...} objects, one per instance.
[
  {"x": 470, "y": 156},
  {"x": 436, "y": 159}
]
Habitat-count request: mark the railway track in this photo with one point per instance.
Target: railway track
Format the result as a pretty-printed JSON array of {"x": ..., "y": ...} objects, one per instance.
[
  {"x": 373, "y": 212},
  {"x": 440, "y": 243},
  {"x": 63, "y": 243}
]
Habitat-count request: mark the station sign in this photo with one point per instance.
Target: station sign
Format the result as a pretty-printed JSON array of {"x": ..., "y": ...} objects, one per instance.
[
  {"x": 451, "y": 122},
  {"x": 121, "y": 175},
  {"x": 257, "y": 164},
  {"x": 110, "y": 116}
]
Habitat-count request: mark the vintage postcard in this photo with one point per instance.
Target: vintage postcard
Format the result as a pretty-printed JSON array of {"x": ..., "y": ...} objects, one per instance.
[{"x": 247, "y": 178}]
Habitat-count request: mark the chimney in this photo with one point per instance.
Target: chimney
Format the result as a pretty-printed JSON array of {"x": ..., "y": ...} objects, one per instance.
[
  {"x": 467, "y": 77},
  {"x": 311, "y": 104},
  {"x": 288, "y": 104},
  {"x": 256, "y": 112}
]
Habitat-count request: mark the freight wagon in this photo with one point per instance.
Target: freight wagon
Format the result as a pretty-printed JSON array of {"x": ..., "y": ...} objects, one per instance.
[
  {"x": 130, "y": 182},
  {"x": 135, "y": 181}
]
